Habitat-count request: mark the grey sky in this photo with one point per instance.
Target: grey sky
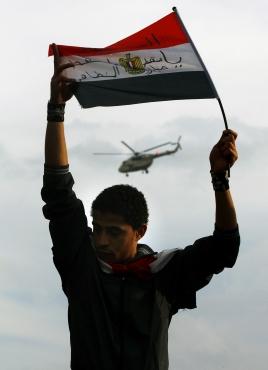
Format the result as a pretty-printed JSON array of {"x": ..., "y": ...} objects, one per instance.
[{"x": 227, "y": 331}]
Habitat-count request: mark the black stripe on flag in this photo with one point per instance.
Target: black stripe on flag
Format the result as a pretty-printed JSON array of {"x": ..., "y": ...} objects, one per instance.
[{"x": 135, "y": 90}]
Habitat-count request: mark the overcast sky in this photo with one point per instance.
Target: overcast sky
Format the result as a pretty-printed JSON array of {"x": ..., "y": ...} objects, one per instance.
[{"x": 228, "y": 330}]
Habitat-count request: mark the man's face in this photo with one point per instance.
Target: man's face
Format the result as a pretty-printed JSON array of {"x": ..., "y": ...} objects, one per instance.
[{"x": 115, "y": 240}]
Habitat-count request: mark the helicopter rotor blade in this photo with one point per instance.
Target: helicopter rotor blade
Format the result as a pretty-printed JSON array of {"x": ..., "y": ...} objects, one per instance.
[
  {"x": 143, "y": 151},
  {"x": 129, "y": 147},
  {"x": 110, "y": 153},
  {"x": 158, "y": 146}
]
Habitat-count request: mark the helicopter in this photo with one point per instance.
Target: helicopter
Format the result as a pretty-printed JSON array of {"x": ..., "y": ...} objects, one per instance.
[{"x": 141, "y": 161}]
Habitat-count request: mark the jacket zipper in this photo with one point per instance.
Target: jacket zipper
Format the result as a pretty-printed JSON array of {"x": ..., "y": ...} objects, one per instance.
[{"x": 122, "y": 323}]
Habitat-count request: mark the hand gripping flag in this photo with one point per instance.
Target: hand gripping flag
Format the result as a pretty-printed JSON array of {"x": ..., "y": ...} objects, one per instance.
[{"x": 158, "y": 63}]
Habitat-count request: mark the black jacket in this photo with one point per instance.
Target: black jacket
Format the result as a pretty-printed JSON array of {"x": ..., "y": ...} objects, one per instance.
[{"x": 121, "y": 322}]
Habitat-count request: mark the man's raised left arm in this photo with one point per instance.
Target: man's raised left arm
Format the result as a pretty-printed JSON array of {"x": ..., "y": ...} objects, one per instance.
[{"x": 222, "y": 157}]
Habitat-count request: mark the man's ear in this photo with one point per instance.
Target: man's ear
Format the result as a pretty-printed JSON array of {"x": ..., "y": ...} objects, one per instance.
[{"x": 141, "y": 231}]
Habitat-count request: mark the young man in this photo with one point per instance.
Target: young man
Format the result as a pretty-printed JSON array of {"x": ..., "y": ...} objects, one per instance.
[{"x": 121, "y": 294}]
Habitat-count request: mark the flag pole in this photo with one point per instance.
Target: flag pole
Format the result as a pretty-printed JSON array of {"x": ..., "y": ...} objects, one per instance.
[
  {"x": 226, "y": 126},
  {"x": 205, "y": 70},
  {"x": 223, "y": 113}
]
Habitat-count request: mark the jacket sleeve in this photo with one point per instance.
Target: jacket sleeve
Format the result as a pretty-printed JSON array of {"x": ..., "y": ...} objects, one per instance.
[
  {"x": 193, "y": 267},
  {"x": 210, "y": 255},
  {"x": 67, "y": 220}
]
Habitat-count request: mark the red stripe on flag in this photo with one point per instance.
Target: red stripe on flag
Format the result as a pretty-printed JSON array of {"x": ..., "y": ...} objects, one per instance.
[{"x": 165, "y": 32}]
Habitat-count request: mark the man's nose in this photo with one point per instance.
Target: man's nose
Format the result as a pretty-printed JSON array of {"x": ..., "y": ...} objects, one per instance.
[{"x": 102, "y": 239}]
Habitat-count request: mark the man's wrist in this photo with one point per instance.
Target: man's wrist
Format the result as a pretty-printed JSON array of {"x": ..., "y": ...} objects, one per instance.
[
  {"x": 220, "y": 180},
  {"x": 55, "y": 112}
]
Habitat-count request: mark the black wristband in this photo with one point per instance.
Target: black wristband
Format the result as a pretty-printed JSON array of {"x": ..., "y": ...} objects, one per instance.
[
  {"x": 55, "y": 112},
  {"x": 220, "y": 181}
]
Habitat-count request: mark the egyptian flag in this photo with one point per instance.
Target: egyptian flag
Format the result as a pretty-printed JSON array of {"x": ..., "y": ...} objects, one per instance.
[{"x": 158, "y": 63}]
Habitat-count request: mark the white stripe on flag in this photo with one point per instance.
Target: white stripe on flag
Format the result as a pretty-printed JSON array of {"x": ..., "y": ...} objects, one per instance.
[{"x": 138, "y": 63}]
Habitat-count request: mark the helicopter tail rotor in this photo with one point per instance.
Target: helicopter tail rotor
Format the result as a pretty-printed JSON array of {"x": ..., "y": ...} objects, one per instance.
[{"x": 178, "y": 143}]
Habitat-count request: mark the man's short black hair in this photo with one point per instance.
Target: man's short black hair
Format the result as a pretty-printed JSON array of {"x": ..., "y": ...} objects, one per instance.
[{"x": 125, "y": 201}]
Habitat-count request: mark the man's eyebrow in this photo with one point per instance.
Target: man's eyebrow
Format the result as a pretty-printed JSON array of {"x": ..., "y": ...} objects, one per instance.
[
  {"x": 108, "y": 227},
  {"x": 115, "y": 227}
]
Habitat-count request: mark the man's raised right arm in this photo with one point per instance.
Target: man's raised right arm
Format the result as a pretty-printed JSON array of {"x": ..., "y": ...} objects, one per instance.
[
  {"x": 68, "y": 222},
  {"x": 56, "y": 155}
]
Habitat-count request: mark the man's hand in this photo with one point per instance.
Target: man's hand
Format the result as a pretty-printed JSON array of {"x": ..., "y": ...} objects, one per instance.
[
  {"x": 61, "y": 87},
  {"x": 224, "y": 154}
]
